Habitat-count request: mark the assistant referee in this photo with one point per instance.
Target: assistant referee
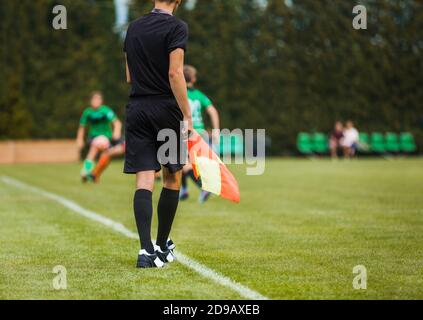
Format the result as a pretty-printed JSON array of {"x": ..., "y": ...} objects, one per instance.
[{"x": 155, "y": 46}]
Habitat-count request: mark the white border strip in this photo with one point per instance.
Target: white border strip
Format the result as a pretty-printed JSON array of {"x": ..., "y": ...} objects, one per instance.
[{"x": 118, "y": 227}]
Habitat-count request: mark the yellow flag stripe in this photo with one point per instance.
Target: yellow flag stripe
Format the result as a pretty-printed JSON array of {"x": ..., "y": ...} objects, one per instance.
[{"x": 210, "y": 175}]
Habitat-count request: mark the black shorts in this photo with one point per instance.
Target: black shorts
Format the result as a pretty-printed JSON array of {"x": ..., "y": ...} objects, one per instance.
[
  {"x": 115, "y": 143},
  {"x": 145, "y": 118}
]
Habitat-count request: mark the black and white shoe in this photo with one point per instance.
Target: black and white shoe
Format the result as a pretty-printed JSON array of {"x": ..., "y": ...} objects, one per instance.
[
  {"x": 165, "y": 256},
  {"x": 146, "y": 260},
  {"x": 170, "y": 245}
]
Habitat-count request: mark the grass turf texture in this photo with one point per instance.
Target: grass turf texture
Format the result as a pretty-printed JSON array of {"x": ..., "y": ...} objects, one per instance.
[{"x": 297, "y": 234}]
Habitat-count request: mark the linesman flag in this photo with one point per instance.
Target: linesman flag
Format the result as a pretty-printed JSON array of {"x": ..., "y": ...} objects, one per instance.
[{"x": 215, "y": 176}]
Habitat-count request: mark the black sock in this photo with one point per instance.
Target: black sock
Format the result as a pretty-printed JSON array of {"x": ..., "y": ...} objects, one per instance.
[
  {"x": 143, "y": 210},
  {"x": 166, "y": 211},
  {"x": 192, "y": 176},
  {"x": 184, "y": 180}
]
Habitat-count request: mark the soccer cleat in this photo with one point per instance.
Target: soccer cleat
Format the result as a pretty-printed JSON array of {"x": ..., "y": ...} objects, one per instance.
[
  {"x": 183, "y": 195},
  {"x": 86, "y": 170},
  {"x": 166, "y": 256},
  {"x": 204, "y": 196},
  {"x": 84, "y": 175},
  {"x": 146, "y": 260},
  {"x": 94, "y": 178},
  {"x": 170, "y": 244},
  {"x": 87, "y": 178}
]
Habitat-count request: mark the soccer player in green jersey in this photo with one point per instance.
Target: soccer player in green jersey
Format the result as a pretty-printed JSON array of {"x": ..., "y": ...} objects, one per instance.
[
  {"x": 102, "y": 127},
  {"x": 199, "y": 103}
]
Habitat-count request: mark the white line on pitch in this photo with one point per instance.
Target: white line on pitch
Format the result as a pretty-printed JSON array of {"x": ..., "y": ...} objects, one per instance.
[{"x": 118, "y": 227}]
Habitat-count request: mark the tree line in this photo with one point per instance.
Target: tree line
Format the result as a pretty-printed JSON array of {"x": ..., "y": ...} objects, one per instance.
[{"x": 286, "y": 66}]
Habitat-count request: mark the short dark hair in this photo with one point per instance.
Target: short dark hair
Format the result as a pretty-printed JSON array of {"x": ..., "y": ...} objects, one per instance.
[
  {"x": 189, "y": 72},
  {"x": 96, "y": 93}
]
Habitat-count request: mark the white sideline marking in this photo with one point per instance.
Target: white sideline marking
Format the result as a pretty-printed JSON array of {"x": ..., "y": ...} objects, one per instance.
[{"x": 118, "y": 227}]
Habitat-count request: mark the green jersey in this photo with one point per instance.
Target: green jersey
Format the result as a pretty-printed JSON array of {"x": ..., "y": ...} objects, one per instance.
[
  {"x": 98, "y": 121},
  {"x": 198, "y": 103}
]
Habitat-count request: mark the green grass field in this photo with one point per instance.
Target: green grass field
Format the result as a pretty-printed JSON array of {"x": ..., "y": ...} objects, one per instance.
[{"x": 297, "y": 234}]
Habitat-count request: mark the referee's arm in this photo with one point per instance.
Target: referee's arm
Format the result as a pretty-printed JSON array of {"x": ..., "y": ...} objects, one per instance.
[{"x": 178, "y": 83}]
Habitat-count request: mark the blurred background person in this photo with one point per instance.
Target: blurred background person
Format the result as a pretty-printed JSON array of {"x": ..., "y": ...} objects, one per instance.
[
  {"x": 199, "y": 103},
  {"x": 101, "y": 126},
  {"x": 336, "y": 138},
  {"x": 350, "y": 140}
]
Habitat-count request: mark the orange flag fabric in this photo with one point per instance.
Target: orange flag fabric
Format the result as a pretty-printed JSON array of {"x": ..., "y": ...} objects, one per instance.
[{"x": 215, "y": 176}]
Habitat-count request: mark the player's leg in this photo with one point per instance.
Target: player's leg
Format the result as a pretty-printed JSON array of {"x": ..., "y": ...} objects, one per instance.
[
  {"x": 184, "y": 194},
  {"x": 105, "y": 159},
  {"x": 103, "y": 163},
  {"x": 97, "y": 145},
  {"x": 353, "y": 151},
  {"x": 189, "y": 172},
  {"x": 333, "y": 148},
  {"x": 204, "y": 195},
  {"x": 88, "y": 164},
  {"x": 346, "y": 152}
]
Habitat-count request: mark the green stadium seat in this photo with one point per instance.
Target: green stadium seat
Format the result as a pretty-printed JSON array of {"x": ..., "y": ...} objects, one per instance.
[
  {"x": 364, "y": 138},
  {"x": 304, "y": 143},
  {"x": 364, "y": 142},
  {"x": 377, "y": 143},
  {"x": 407, "y": 143},
  {"x": 320, "y": 143},
  {"x": 392, "y": 142}
]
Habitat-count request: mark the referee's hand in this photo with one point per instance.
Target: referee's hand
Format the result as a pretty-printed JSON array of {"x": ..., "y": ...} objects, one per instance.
[
  {"x": 187, "y": 128},
  {"x": 188, "y": 123}
]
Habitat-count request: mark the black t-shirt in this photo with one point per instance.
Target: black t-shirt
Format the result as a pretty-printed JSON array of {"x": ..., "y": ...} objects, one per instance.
[{"x": 148, "y": 43}]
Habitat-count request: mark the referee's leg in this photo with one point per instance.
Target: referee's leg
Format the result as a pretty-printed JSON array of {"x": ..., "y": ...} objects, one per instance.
[
  {"x": 143, "y": 208},
  {"x": 168, "y": 205}
]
